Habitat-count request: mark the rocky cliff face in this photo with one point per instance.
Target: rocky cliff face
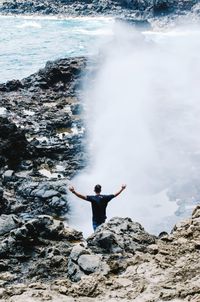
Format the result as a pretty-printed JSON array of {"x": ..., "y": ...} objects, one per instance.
[{"x": 43, "y": 259}]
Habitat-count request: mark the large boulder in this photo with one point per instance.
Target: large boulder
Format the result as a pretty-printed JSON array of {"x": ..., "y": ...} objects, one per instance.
[
  {"x": 118, "y": 235},
  {"x": 82, "y": 262}
]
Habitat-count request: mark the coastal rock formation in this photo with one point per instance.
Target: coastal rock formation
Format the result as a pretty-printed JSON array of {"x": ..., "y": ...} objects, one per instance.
[
  {"x": 136, "y": 8},
  {"x": 59, "y": 264},
  {"x": 41, "y": 138},
  {"x": 13, "y": 144},
  {"x": 120, "y": 235}
]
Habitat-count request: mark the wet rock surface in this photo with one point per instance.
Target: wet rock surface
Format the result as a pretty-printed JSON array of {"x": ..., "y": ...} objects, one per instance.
[
  {"x": 55, "y": 263},
  {"x": 136, "y": 8},
  {"x": 41, "y": 138}
]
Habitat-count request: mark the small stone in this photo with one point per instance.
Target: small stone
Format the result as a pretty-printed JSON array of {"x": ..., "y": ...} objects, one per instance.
[
  {"x": 7, "y": 276},
  {"x": 77, "y": 251},
  {"x": 153, "y": 249},
  {"x": 89, "y": 263},
  {"x": 124, "y": 282},
  {"x": 8, "y": 175},
  {"x": 8, "y": 223}
]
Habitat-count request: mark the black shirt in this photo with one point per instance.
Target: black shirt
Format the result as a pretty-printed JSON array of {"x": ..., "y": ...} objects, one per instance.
[{"x": 99, "y": 204}]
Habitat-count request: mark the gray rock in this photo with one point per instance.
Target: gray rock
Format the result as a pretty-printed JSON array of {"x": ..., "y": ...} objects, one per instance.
[
  {"x": 8, "y": 223},
  {"x": 49, "y": 194},
  {"x": 89, "y": 263},
  {"x": 118, "y": 235},
  {"x": 77, "y": 251},
  {"x": 8, "y": 175},
  {"x": 74, "y": 272},
  {"x": 44, "y": 197}
]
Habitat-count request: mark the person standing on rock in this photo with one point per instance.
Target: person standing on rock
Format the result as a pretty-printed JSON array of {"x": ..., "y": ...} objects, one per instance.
[{"x": 99, "y": 203}]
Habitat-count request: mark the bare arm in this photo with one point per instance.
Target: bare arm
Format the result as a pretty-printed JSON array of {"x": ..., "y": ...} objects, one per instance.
[
  {"x": 77, "y": 194},
  {"x": 121, "y": 190}
]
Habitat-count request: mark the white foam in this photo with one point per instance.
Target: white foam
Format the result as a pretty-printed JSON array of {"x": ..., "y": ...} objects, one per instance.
[
  {"x": 58, "y": 17},
  {"x": 29, "y": 112},
  {"x": 3, "y": 111},
  {"x": 94, "y": 32},
  {"x": 48, "y": 174},
  {"x": 31, "y": 24}
]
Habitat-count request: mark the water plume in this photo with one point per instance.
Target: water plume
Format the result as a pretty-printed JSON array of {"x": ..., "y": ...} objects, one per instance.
[{"x": 143, "y": 125}]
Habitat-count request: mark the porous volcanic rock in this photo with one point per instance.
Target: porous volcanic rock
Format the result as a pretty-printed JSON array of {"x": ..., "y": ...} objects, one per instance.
[
  {"x": 65, "y": 268},
  {"x": 35, "y": 248},
  {"x": 13, "y": 144},
  {"x": 139, "y": 10},
  {"x": 118, "y": 235},
  {"x": 41, "y": 137}
]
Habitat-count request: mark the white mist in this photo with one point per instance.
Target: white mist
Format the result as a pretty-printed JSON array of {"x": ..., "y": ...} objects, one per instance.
[{"x": 143, "y": 121}]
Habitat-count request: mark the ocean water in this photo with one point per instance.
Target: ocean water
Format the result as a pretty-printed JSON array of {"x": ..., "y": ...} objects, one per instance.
[{"x": 27, "y": 43}]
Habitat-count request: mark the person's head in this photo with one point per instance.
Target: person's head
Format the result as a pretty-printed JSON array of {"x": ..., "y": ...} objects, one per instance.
[{"x": 97, "y": 189}]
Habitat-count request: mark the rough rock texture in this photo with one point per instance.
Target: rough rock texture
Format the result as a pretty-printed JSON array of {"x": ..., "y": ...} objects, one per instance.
[
  {"x": 137, "y": 9},
  {"x": 120, "y": 235},
  {"x": 55, "y": 263},
  {"x": 34, "y": 249},
  {"x": 13, "y": 143},
  {"x": 41, "y": 138}
]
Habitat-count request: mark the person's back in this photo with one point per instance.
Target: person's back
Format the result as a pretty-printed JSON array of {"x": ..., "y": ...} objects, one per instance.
[{"x": 99, "y": 203}]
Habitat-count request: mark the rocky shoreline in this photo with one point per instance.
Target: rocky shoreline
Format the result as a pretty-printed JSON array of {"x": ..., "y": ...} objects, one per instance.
[
  {"x": 134, "y": 9},
  {"x": 44, "y": 260},
  {"x": 42, "y": 146},
  {"x": 41, "y": 139}
]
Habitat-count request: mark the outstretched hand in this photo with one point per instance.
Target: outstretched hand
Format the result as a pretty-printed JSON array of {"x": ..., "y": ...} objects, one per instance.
[
  {"x": 123, "y": 187},
  {"x": 72, "y": 189}
]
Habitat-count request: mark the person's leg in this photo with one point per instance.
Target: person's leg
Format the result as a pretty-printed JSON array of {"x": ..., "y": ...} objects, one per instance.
[{"x": 95, "y": 225}]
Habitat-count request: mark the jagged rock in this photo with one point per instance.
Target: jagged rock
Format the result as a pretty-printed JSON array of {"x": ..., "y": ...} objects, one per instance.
[
  {"x": 165, "y": 269},
  {"x": 13, "y": 144},
  {"x": 47, "y": 197},
  {"x": 59, "y": 74},
  {"x": 4, "y": 203},
  {"x": 77, "y": 251},
  {"x": 102, "y": 7},
  {"x": 119, "y": 235},
  {"x": 8, "y": 175},
  {"x": 82, "y": 262},
  {"x": 21, "y": 242},
  {"x": 50, "y": 146}
]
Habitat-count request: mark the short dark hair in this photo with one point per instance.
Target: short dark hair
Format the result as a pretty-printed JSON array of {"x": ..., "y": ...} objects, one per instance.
[{"x": 97, "y": 189}]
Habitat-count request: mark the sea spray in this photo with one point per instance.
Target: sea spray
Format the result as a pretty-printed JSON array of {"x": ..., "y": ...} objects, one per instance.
[{"x": 143, "y": 126}]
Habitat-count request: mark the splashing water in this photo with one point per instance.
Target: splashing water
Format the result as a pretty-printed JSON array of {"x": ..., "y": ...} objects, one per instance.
[{"x": 143, "y": 121}]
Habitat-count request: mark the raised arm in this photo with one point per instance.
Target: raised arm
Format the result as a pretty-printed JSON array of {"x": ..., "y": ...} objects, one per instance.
[
  {"x": 122, "y": 189},
  {"x": 77, "y": 194}
]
